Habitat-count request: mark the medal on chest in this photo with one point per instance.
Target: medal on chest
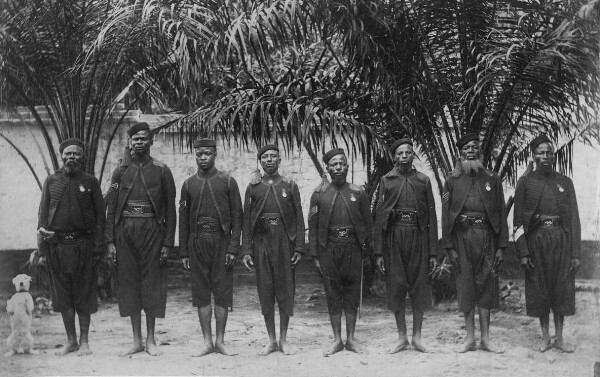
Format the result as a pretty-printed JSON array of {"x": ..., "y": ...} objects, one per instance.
[
  {"x": 283, "y": 193},
  {"x": 81, "y": 188},
  {"x": 488, "y": 187},
  {"x": 352, "y": 197},
  {"x": 560, "y": 188}
]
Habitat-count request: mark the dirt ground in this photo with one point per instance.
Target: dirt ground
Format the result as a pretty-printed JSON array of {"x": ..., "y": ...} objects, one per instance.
[{"x": 309, "y": 334}]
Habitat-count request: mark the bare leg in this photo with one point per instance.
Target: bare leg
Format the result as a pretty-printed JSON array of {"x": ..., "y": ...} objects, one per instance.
[
  {"x": 84, "y": 329},
  {"x": 351, "y": 344},
  {"x": 401, "y": 326},
  {"x": 221, "y": 319},
  {"x": 270, "y": 323},
  {"x": 545, "y": 324},
  {"x": 484, "y": 323},
  {"x": 336, "y": 326},
  {"x": 136, "y": 326},
  {"x": 469, "y": 344},
  {"x": 559, "y": 321},
  {"x": 151, "y": 348},
  {"x": 68, "y": 317},
  {"x": 205, "y": 316},
  {"x": 284, "y": 321},
  {"x": 417, "y": 326}
]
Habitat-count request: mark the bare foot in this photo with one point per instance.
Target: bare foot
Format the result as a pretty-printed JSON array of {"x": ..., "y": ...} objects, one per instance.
[
  {"x": 84, "y": 349},
  {"x": 152, "y": 349},
  {"x": 468, "y": 345},
  {"x": 283, "y": 347},
  {"x": 207, "y": 349},
  {"x": 486, "y": 346},
  {"x": 67, "y": 349},
  {"x": 544, "y": 346},
  {"x": 272, "y": 347},
  {"x": 220, "y": 348},
  {"x": 352, "y": 346},
  {"x": 337, "y": 347},
  {"x": 418, "y": 346},
  {"x": 137, "y": 348},
  {"x": 559, "y": 345},
  {"x": 402, "y": 346}
]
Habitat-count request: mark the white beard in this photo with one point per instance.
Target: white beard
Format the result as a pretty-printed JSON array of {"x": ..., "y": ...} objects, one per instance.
[{"x": 471, "y": 167}]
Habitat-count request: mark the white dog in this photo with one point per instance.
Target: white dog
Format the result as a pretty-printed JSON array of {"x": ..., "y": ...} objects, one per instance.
[{"x": 20, "y": 310}]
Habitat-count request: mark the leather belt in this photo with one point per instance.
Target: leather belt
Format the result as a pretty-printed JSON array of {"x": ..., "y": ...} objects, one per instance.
[
  {"x": 404, "y": 215},
  {"x": 208, "y": 224},
  {"x": 271, "y": 219},
  {"x": 549, "y": 221},
  {"x": 477, "y": 221},
  {"x": 72, "y": 237},
  {"x": 138, "y": 208},
  {"x": 342, "y": 232}
]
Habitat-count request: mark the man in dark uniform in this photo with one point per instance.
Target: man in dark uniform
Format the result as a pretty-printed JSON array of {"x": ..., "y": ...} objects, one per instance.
[
  {"x": 71, "y": 233},
  {"x": 273, "y": 242},
  {"x": 405, "y": 237},
  {"x": 475, "y": 234},
  {"x": 339, "y": 233},
  {"x": 549, "y": 241},
  {"x": 210, "y": 224},
  {"x": 141, "y": 223}
]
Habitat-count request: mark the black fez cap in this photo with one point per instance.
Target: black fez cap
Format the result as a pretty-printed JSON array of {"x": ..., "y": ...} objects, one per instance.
[
  {"x": 332, "y": 153},
  {"x": 467, "y": 138},
  {"x": 142, "y": 126},
  {"x": 539, "y": 140},
  {"x": 205, "y": 143},
  {"x": 268, "y": 147},
  {"x": 400, "y": 142},
  {"x": 72, "y": 141}
]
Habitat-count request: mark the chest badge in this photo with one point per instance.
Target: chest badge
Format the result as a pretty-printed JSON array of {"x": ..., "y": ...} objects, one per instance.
[
  {"x": 283, "y": 193},
  {"x": 81, "y": 188},
  {"x": 352, "y": 197},
  {"x": 488, "y": 187},
  {"x": 560, "y": 188}
]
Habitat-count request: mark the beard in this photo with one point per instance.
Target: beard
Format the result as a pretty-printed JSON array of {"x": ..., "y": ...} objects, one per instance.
[
  {"x": 471, "y": 167},
  {"x": 72, "y": 166}
]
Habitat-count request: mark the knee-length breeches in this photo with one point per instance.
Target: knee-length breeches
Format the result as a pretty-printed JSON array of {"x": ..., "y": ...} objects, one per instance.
[{"x": 142, "y": 282}]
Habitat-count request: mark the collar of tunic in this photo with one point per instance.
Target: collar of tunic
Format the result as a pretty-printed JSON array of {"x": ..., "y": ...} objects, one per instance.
[{"x": 211, "y": 173}]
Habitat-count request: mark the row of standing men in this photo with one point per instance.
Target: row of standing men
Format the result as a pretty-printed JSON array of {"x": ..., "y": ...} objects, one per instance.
[{"x": 139, "y": 232}]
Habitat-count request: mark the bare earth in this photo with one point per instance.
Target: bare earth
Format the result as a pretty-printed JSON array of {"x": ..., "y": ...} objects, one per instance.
[{"x": 180, "y": 337}]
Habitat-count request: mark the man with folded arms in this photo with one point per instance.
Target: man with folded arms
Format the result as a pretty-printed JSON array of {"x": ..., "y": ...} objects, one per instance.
[
  {"x": 210, "y": 224},
  {"x": 140, "y": 231},
  {"x": 405, "y": 238},
  {"x": 273, "y": 242},
  {"x": 475, "y": 234},
  {"x": 548, "y": 232},
  {"x": 71, "y": 235},
  {"x": 339, "y": 234}
]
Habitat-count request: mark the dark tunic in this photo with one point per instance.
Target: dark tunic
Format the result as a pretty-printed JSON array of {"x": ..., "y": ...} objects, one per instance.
[
  {"x": 551, "y": 247},
  {"x": 139, "y": 238},
  {"x": 210, "y": 218},
  {"x": 340, "y": 256},
  {"x": 476, "y": 244},
  {"x": 272, "y": 244},
  {"x": 73, "y": 203},
  {"x": 406, "y": 245}
]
